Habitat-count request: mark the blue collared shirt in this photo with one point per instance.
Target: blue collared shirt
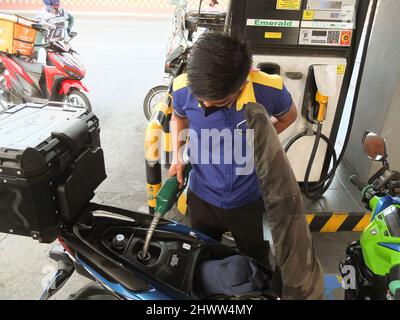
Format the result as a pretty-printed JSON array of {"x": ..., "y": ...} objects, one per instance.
[{"x": 219, "y": 182}]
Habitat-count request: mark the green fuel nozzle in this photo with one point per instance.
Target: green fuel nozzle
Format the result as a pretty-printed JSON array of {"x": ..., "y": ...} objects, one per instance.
[
  {"x": 165, "y": 200},
  {"x": 170, "y": 192}
]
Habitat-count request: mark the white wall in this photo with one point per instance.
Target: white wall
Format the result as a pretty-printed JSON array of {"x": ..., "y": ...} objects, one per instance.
[
  {"x": 391, "y": 131},
  {"x": 378, "y": 104}
]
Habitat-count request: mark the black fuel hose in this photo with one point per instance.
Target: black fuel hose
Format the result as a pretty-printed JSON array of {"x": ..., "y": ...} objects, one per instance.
[
  {"x": 316, "y": 190},
  {"x": 327, "y": 181}
]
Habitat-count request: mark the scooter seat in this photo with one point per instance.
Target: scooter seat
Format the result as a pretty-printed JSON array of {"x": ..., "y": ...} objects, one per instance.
[{"x": 29, "y": 66}]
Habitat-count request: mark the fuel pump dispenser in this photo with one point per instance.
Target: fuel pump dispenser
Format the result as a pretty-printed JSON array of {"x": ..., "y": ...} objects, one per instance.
[
  {"x": 312, "y": 45},
  {"x": 314, "y": 110}
]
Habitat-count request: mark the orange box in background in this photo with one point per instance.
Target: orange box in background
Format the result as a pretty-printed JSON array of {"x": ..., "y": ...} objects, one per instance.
[
  {"x": 24, "y": 33},
  {"x": 16, "y": 38},
  {"x": 23, "y": 48},
  {"x": 24, "y": 39}
]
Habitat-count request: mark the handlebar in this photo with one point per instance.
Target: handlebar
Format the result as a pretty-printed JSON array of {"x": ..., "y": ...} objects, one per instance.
[
  {"x": 41, "y": 24},
  {"x": 356, "y": 181}
]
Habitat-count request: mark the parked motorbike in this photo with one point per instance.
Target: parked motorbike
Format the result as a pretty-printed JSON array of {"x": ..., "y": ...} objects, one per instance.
[
  {"x": 51, "y": 166},
  {"x": 136, "y": 256},
  {"x": 187, "y": 26},
  {"x": 372, "y": 265},
  {"x": 58, "y": 80}
]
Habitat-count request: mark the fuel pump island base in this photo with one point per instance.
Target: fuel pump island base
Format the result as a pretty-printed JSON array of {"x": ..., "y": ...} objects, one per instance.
[{"x": 312, "y": 45}]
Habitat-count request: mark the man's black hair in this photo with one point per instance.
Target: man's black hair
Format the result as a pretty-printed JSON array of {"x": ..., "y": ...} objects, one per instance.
[{"x": 218, "y": 65}]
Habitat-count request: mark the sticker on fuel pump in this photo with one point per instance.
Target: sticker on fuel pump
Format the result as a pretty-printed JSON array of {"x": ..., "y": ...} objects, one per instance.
[
  {"x": 341, "y": 68},
  {"x": 288, "y": 4},
  {"x": 308, "y": 15},
  {"x": 273, "y": 23},
  {"x": 273, "y": 35},
  {"x": 345, "y": 38}
]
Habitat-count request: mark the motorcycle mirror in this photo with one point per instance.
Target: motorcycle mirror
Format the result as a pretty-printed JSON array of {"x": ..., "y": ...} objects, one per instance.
[
  {"x": 374, "y": 146},
  {"x": 73, "y": 34}
]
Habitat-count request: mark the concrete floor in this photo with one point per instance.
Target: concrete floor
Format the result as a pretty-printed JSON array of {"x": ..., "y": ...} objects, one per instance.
[
  {"x": 341, "y": 196},
  {"x": 118, "y": 84}
]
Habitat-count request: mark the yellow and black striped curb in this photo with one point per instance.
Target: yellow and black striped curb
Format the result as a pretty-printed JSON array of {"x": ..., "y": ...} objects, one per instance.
[{"x": 326, "y": 222}]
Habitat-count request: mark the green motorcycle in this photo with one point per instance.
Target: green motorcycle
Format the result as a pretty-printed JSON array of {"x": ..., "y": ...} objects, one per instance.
[{"x": 371, "y": 269}]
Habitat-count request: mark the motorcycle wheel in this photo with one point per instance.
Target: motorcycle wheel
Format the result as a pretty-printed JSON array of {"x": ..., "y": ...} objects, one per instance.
[
  {"x": 153, "y": 97},
  {"x": 77, "y": 98}
]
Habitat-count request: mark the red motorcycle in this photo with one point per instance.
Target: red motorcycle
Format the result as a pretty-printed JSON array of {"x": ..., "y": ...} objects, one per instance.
[{"x": 57, "y": 80}]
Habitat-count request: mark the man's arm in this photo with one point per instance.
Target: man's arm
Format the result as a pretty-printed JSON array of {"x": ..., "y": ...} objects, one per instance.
[
  {"x": 281, "y": 123},
  {"x": 177, "y": 125}
]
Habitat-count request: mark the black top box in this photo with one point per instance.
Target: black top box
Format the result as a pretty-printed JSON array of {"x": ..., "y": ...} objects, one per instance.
[{"x": 51, "y": 163}]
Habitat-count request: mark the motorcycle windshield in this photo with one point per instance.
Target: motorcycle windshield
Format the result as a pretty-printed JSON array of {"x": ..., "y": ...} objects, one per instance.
[{"x": 58, "y": 33}]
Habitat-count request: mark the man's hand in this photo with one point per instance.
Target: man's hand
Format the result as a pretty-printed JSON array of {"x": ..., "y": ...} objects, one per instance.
[
  {"x": 177, "y": 125},
  {"x": 177, "y": 169}
]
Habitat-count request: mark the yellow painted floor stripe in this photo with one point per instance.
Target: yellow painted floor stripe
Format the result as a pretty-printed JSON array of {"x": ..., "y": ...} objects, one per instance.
[
  {"x": 335, "y": 222},
  {"x": 363, "y": 224},
  {"x": 310, "y": 218}
]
